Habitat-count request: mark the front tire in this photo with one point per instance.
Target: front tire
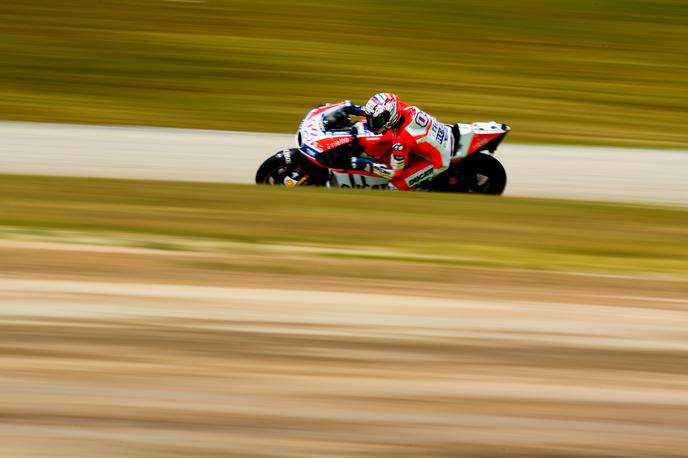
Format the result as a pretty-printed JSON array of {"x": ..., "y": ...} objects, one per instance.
[
  {"x": 290, "y": 164},
  {"x": 275, "y": 169}
]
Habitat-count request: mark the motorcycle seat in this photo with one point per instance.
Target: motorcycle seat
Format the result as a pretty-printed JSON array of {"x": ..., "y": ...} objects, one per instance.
[{"x": 457, "y": 138}]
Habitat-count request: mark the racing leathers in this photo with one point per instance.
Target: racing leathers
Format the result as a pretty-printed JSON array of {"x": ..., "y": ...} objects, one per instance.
[{"x": 422, "y": 148}]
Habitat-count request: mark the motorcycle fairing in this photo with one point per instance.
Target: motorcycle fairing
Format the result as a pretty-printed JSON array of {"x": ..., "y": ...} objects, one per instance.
[
  {"x": 342, "y": 179},
  {"x": 479, "y": 136}
]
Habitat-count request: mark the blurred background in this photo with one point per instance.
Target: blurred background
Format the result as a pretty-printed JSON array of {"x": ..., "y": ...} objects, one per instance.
[
  {"x": 201, "y": 317},
  {"x": 607, "y": 72}
]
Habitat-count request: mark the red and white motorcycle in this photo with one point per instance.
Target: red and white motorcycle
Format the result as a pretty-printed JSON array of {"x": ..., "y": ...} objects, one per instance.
[{"x": 327, "y": 140}]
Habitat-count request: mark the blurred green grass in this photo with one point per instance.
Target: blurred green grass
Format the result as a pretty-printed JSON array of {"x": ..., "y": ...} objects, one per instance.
[
  {"x": 467, "y": 230},
  {"x": 571, "y": 71}
]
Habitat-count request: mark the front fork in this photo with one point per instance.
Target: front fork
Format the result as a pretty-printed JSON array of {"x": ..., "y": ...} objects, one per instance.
[
  {"x": 295, "y": 179},
  {"x": 304, "y": 171}
]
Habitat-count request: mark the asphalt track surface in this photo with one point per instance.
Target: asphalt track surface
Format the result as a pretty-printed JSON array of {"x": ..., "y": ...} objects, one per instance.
[{"x": 571, "y": 172}]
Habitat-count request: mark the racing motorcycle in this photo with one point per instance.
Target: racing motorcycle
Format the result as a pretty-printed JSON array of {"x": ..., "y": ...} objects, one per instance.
[{"x": 327, "y": 139}]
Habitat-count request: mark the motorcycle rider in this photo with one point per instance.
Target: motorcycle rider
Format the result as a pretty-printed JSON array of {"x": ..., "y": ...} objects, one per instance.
[{"x": 413, "y": 131}]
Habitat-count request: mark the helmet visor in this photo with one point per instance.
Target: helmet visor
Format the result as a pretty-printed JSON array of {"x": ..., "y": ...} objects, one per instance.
[{"x": 377, "y": 123}]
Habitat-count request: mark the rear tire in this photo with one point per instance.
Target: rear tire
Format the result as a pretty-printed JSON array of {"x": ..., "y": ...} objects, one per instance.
[{"x": 479, "y": 173}]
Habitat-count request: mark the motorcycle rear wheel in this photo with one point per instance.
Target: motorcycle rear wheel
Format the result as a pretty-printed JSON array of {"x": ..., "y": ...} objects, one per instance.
[{"x": 479, "y": 173}]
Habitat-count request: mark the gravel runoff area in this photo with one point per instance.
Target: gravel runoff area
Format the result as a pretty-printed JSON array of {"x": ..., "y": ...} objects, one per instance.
[
  {"x": 169, "y": 370},
  {"x": 572, "y": 172}
]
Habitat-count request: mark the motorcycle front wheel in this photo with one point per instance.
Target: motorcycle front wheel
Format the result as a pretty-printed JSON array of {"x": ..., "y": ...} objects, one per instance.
[
  {"x": 290, "y": 168},
  {"x": 275, "y": 169}
]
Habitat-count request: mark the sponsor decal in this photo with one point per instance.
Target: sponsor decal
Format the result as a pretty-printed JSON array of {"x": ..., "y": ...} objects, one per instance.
[
  {"x": 330, "y": 143},
  {"x": 358, "y": 181},
  {"x": 420, "y": 176},
  {"x": 358, "y": 186},
  {"x": 440, "y": 136},
  {"x": 311, "y": 130},
  {"x": 422, "y": 119},
  {"x": 398, "y": 147}
]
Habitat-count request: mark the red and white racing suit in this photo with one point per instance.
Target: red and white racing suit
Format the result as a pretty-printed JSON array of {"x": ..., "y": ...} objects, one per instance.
[{"x": 422, "y": 148}]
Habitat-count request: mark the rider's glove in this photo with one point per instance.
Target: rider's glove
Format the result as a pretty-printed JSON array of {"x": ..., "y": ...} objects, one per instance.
[
  {"x": 336, "y": 120},
  {"x": 366, "y": 165},
  {"x": 351, "y": 109},
  {"x": 359, "y": 163}
]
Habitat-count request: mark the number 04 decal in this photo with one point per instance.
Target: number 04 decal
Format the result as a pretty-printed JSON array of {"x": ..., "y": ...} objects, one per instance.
[{"x": 422, "y": 119}]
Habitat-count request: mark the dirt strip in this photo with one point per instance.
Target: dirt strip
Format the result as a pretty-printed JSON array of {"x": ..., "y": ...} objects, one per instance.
[{"x": 136, "y": 354}]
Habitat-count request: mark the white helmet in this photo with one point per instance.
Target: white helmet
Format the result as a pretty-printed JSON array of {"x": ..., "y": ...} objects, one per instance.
[{"x": 382, "y": 111}]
